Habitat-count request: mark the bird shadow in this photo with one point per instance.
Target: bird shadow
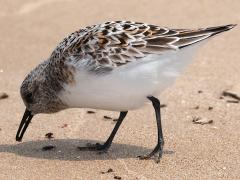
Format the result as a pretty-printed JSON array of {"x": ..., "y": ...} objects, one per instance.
[{"x": 66, "y": 149}]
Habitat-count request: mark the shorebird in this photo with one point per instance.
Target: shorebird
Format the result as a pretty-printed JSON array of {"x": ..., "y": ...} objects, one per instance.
[{"x": 115, "y": 66}]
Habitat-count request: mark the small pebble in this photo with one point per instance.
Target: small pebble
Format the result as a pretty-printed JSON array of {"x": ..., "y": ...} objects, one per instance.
[
  {"x": 210, "y": 108},
  {"x": 200, "y": 91},
  {"x": 49, "y": 135},
  {"x": 231, "y": 94},
  {"x": 202, "y": 121},
  {"x": 91, "y": 112},
  {"x": 48, "y": 148},
  {"x": 108, "y": 171},
  {"x": 107, "y": 117},
  {"x": 3, "y": 95},
  {"x": 117, "y": 177},
  {"x": 232, "y": 101},
  {"x": 195, "y": 119}
]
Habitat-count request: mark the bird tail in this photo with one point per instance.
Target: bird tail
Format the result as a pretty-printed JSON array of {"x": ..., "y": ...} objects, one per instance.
[
  {"x": 190, "y": 37},
  {"x": 219, "y": 29}
]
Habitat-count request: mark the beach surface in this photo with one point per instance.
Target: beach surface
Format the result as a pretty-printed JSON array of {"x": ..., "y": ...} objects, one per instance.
[{"x": 29, "y": 32}]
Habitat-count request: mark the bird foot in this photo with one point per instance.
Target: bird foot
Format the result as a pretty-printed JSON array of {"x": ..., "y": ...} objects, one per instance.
[
  {"x": 156, "y": 154},
  {"x": 101, "y": 148}
]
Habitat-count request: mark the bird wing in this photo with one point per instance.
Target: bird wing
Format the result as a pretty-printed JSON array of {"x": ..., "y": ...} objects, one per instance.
[{"x": 117, "y": 43}]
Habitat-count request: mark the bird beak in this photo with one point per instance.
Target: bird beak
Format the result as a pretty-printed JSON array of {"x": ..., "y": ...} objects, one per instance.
[{"x": 24, "y": 124}]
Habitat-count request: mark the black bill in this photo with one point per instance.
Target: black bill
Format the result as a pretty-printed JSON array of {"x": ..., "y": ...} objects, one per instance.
[{"x": 24, "y": 124}]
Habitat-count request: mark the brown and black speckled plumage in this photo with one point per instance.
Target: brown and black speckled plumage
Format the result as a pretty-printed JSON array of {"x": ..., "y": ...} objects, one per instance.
[{"x": 116, "y": 43}]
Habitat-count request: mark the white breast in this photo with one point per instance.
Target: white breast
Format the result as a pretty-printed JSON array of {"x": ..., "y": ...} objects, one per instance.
[{"x": 127, "y": 86}]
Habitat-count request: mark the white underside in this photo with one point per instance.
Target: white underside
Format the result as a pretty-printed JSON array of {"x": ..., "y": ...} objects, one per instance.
[{"x": 128, "y": 86}]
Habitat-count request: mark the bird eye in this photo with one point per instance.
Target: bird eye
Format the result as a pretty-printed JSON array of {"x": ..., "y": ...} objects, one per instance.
[{"x": 29, "y": 98}]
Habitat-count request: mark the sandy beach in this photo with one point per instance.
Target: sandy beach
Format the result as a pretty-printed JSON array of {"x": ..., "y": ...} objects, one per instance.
[{"x": 29, "y": 32}]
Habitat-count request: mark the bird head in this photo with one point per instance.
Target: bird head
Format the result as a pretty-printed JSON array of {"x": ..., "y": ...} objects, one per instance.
[{"x": 40, "y": 95}]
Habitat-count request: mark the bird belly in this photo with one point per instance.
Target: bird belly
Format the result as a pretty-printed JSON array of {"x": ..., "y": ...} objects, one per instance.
[{"x": 125, "y": 87}]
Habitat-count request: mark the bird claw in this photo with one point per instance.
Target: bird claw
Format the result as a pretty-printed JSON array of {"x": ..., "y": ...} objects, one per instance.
[
  {"x": 101, "y": 148},
  {"x": 147, "y": 157},
  {"x": 156, "y": 153}
]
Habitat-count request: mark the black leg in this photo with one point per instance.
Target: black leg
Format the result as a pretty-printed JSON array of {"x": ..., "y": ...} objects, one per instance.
[
  {"x": 104, "y": 147},
  {"x": 158, "y": 150}
]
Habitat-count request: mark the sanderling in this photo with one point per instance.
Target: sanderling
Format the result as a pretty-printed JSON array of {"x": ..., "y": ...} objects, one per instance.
[{"x": 116, "y": 66}]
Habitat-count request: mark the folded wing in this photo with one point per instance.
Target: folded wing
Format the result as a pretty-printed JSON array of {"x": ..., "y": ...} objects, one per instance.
[{"x": 113, "y": 44}]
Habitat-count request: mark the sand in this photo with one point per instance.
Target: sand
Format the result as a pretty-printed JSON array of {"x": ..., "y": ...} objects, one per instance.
[{"x": 29, "y": 32}]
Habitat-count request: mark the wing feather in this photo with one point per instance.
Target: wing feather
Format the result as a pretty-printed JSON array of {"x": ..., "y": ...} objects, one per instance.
[{"x": 112, "y": 44}]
